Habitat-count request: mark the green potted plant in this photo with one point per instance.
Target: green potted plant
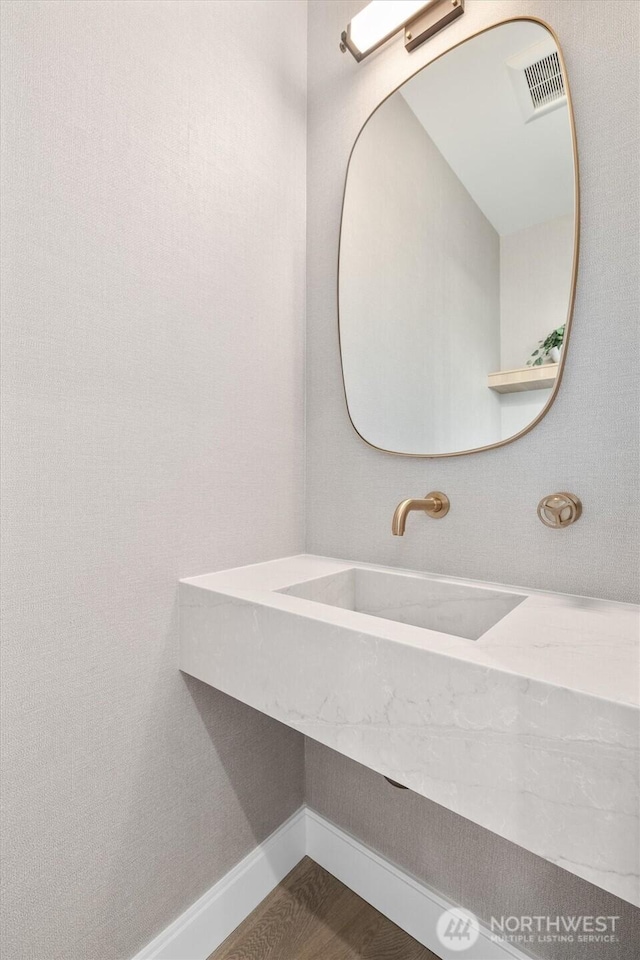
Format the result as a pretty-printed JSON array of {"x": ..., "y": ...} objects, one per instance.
[{"x": 548, "y": 349}]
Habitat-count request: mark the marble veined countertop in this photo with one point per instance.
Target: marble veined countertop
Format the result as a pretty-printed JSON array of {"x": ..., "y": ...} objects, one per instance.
[
  {"x": 581, "y": 643},
  {"x": 531, "y": 730}
]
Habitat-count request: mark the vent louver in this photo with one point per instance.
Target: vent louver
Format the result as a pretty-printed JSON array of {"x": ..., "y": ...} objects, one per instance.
[{"x": 545, "y": 81}]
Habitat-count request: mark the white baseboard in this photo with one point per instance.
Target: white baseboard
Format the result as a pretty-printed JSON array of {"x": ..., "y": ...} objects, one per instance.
[
  {"x": 408, "y": 903},
  {"x": 209, "y": 921}
]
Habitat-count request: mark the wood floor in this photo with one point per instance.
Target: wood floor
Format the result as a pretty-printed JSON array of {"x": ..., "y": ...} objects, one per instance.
[{"x": 312, "y": 916}]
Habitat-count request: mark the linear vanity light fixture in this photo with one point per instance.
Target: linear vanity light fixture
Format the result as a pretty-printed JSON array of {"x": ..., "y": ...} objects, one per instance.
[{"x": 381, "y": 19}]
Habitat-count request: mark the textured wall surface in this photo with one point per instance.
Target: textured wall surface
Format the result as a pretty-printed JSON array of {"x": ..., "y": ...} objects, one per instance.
[
  {"x": 152, "y": 300},
  {"x": 153, "y": 313},
  {"x": 588, "y": 441}
]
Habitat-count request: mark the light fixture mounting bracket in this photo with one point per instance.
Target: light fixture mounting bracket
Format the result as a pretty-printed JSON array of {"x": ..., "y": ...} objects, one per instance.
[{"x": 431, "y": 21}]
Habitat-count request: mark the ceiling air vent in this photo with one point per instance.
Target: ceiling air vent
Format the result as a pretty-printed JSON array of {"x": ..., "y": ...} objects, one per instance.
[
  {"x": 544, "y": 78},
  {"x": 536, "y": 75}
]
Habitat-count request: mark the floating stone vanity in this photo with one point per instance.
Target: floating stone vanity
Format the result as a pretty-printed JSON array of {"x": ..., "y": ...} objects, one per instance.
[{"x": 517, "y": 709}]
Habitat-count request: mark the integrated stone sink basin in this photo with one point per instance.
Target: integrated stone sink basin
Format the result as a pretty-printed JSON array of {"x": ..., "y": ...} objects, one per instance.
[
  {"x": 514, "y": 708},
  {"x": 463, "y": 611}
]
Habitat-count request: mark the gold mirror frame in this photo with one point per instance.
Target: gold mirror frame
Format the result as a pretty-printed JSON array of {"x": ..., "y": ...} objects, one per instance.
[{"x": 576, "y": 248}]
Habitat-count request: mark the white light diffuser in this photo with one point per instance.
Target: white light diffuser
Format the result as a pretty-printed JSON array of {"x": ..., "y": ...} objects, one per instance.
[{"x": 379, "y": 20}]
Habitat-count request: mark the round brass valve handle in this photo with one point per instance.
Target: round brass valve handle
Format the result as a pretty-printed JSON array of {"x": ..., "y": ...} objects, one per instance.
[{"x": 559, "y": 510}]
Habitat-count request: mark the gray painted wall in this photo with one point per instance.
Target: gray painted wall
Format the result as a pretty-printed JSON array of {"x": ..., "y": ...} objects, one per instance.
[
  {"x": 153, "y": 378},
  {"x": 587, "y": 443}
]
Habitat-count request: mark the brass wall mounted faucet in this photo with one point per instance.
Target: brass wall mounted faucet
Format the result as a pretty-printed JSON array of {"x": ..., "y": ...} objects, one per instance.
[{"x": 434, "y": 504}]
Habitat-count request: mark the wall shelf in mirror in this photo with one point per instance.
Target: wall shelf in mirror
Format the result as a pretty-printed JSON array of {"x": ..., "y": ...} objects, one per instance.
[{"x": 523, "y": 378}]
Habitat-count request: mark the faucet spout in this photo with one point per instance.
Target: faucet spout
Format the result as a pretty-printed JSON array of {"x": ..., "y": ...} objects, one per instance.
[
  {"x": 402, "y": 511},
  {"x": 435, "y": 505}
]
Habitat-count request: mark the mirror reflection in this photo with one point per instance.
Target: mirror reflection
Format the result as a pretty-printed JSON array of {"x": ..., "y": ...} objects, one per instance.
[{"x": 457, "y": 248}]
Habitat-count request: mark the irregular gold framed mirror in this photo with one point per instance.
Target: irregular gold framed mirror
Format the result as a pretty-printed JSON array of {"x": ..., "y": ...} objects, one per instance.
[{"x": 459, "y": 248}]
